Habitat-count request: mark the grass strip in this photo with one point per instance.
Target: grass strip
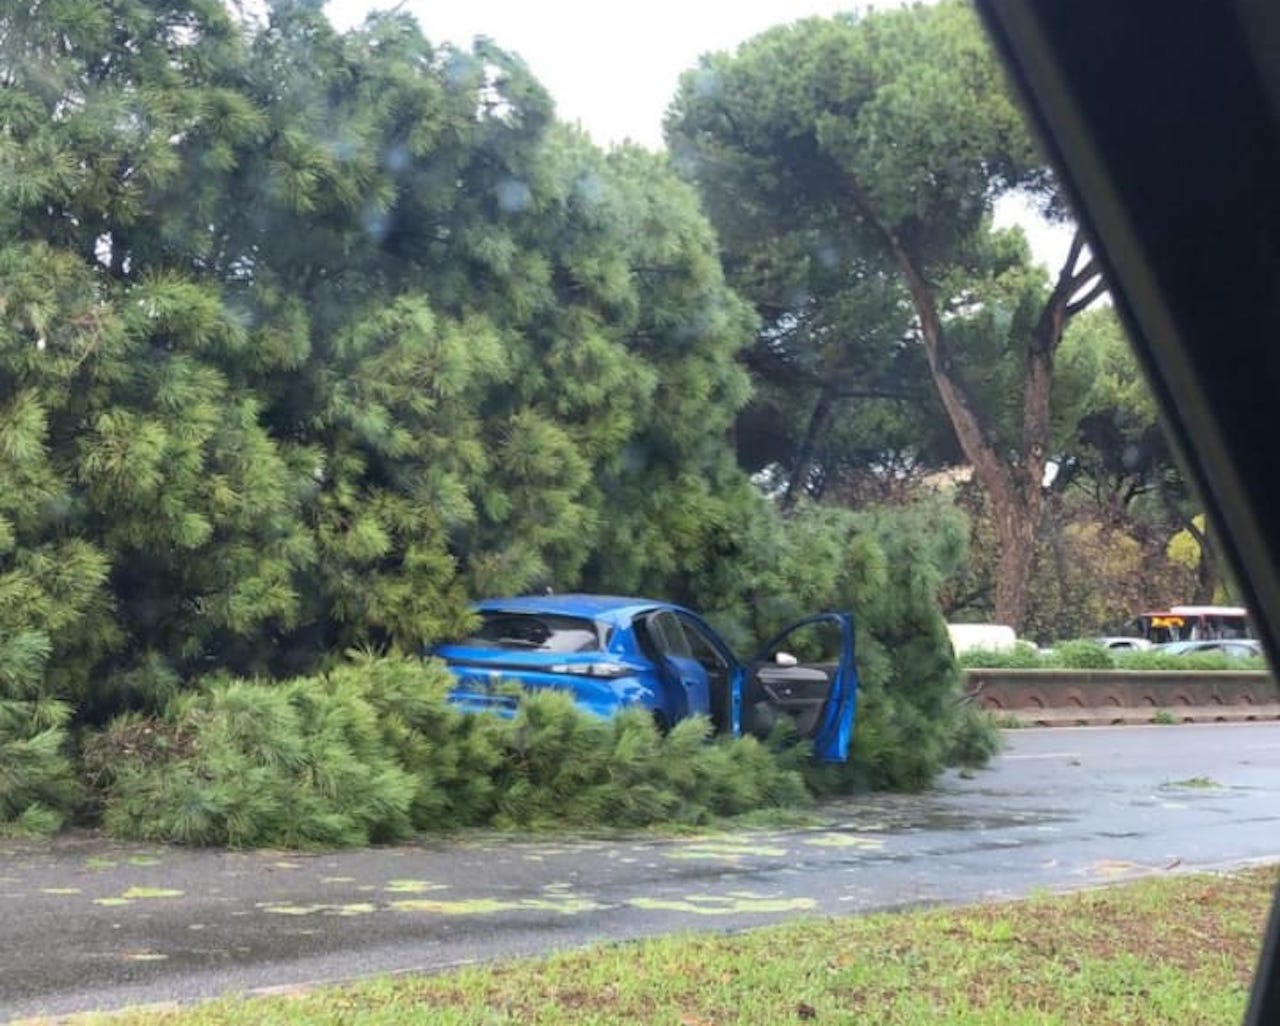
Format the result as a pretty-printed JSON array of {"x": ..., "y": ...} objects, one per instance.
[{"x": 1173, "y": 951}]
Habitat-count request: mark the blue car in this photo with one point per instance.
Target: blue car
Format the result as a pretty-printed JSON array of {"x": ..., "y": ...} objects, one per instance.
[{"x": 614, "y": 653}]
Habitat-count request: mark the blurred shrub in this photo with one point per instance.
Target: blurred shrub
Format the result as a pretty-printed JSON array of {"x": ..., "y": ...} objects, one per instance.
[{"x": 974, "y": 738}]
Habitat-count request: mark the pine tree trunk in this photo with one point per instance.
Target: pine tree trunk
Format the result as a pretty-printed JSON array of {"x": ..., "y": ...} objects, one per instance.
[
  {"x": 1016, "y": 537},
  {"x": 1014, "y": 487},
  {"x": 802, "y": 468}
]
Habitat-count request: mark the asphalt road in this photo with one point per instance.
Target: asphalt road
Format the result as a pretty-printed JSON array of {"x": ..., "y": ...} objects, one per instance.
[{"x": 89, "y": 925}]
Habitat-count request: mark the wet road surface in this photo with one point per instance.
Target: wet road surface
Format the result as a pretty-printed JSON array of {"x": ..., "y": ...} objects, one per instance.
[{"x": 85, "y": 924}]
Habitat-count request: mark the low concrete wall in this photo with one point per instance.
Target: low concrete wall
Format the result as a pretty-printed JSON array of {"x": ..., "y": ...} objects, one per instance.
[{"x": 1053, "y": 697}]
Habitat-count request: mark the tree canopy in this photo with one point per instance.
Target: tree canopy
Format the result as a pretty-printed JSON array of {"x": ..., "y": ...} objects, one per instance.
[
  {"x": 310, "y": 334},
  {"x": 851, "y": 166}
]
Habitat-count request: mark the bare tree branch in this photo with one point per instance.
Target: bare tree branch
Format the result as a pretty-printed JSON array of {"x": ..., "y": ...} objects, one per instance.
[
  {"x": 1078, "y": 281},
  {"x": 1073, "y": 255},
  {"x": 1099, "y": 287}
]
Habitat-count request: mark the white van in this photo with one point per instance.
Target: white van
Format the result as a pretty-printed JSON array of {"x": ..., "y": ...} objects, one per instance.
[{"x": 989, "y": 637}]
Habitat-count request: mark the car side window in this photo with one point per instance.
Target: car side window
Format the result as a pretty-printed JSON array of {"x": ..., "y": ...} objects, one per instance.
[
  {"x": 667, "y": 636},
  {"x": 704, "y": 650}
]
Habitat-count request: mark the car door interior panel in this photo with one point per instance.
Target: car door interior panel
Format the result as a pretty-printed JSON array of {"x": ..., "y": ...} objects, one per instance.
[{"x": 797, "y": 692}]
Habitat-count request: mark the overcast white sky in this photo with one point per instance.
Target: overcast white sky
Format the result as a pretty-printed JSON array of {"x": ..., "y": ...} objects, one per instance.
[{"x": 613, "y": 67}]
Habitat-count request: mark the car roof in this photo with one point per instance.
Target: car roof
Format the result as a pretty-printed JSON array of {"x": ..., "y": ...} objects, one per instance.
[{"x": 616, "y": 610}]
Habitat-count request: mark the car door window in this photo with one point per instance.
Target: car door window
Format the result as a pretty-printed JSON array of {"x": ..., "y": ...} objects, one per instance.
[
  {"x": 667, "y": 635},
  {"x": 818, "y": 642},
  {"x": 702, "y": 647}
]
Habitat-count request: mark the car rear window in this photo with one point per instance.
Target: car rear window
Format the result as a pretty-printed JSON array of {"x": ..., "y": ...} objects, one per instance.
[{"x": 537, "y": 632}]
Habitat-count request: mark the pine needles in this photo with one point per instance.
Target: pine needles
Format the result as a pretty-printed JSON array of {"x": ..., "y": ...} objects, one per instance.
[{"x": 373, "y": 753}]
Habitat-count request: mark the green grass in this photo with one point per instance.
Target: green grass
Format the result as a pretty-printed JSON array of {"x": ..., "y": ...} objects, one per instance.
[
  {"x": 1176, "y": 951},
  {"x": 1196, "y": 783}
]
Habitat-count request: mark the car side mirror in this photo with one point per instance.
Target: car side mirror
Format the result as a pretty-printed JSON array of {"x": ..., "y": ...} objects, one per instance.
[{"x": 785, "y": 659}]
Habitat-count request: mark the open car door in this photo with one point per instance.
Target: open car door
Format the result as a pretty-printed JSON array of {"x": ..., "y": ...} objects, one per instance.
[{"x": 806, "y": 674}]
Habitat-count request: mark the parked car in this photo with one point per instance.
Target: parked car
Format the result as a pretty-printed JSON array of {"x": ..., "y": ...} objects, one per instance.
[
  {"x": 1236, "y": 648},
  {"x": 614, "y": 653},
  {"x": 1124, "y": 644}
]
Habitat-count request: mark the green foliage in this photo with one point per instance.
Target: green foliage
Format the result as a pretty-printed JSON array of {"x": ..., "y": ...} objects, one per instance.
[
  {"x": 1020, "y": 657},
  {"x": 301, "y": 764},
  {"x": 887, "y": 567},
  {"x": 1122, "y": 517},
  {"x": 1083, "y": 655},
  {"x": 553, "y": 764},
  {"x": 974, "y": 739},
  {"x": 898, "y": 749},
  {"x": 308, "y": 337},
  {"x": 37, "y": 787},
  {"x": 1087, "y": 655},
  {"x": 1204, "y": 661},
  {"x": 373, "y": 751},
  {"x": 451, "y": 757},
  {"x": 807, "y": 144},
  {"x": 853, "y": 166},
  {"x": 568, "y": 769},
  {"x": 563, "y": 766},
  {"x": 1096, "y": 564},
  {"x": 42, "y": 589}
]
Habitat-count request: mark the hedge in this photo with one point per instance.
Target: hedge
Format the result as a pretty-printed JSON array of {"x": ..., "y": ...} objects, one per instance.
[{"x": 1085, "y": 655}]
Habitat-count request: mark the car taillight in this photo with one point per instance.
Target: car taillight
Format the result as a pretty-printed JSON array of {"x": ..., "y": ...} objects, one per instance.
[{"x": 593, "y": 669}]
